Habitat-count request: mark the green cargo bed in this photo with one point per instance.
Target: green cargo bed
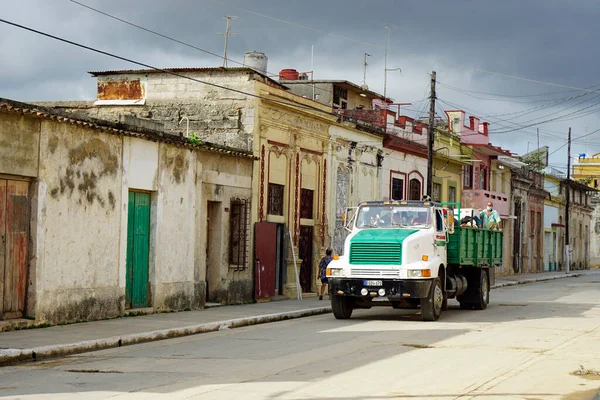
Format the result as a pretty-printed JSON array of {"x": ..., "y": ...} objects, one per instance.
[{"x": 474, "y": 247}]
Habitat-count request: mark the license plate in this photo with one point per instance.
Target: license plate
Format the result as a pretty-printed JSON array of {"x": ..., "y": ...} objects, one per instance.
[{"x": 372, "y": 283}]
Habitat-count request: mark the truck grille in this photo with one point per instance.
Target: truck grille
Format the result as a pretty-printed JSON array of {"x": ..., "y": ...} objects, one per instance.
[
  {"x": 376, "y": 253},
  {"x": 373, "y": 272}
]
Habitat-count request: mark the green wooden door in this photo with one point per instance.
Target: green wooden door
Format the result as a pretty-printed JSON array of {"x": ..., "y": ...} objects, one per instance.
[{"x": 138, "y": 239}]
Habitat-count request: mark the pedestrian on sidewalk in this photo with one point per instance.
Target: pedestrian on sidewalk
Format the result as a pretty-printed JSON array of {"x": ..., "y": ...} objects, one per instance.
[{"x": 323, "y": 271}]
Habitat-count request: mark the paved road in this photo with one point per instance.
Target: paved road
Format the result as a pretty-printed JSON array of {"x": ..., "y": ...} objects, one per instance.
[{"x": 524, "y": 346}]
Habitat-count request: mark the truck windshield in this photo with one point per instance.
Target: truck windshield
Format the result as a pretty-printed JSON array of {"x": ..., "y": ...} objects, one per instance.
[{"x": 393, "y": 217}]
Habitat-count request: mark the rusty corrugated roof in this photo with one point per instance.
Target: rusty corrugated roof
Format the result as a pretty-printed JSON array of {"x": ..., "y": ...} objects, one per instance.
[{"x": 115, "y": 128}]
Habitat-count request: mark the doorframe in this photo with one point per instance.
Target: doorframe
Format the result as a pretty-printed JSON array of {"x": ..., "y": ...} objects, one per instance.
[
  {"x": 30, "y": 243},
  {"x": 152, "y": 240}
]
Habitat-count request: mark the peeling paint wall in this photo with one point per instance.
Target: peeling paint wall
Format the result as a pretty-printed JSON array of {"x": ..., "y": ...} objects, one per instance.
[
  {"x": 79, "y": 187},
  {"x": 79, "y": 212},
  {"x": 19, "y": 145},
  {"x": 224, "y": 179},
  {"x": 216, "y": 115}
]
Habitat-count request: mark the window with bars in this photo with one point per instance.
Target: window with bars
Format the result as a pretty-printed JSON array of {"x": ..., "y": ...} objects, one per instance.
[
  {"x": 468, "y": 176},
  {"x": 307, "y": 197},
  {"x": 414, "y": 189},
  {"x": 437, "y": 192},
  {"x": 397, "y": 189},
  {"x": 451, "y": 194},
  {"x": 275, "y": 199},
  {"x": 239, "y": 225}
]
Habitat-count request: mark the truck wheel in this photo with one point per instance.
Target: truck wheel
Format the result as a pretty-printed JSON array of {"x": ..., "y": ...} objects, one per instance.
[
  {"x": 431, "y": 307},
  {"x": 483, "y": 292},
  {"x": 341, "y": 306}
]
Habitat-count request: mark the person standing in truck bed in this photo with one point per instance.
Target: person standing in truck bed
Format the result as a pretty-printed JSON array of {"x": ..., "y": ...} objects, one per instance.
[{"x": 490, "y": 217}]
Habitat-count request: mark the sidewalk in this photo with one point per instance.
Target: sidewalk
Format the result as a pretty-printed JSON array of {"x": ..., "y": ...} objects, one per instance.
[{"x": 33, "y": 344}]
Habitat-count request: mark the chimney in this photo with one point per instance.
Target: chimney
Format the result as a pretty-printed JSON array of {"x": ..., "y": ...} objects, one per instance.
[
  {"x": 474, "y": 122},
  {"x": 484, "y": 128}
]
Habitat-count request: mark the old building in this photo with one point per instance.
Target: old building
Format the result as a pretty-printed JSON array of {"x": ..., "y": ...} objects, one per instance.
[
  {"x": 554, "y": 220},
  {"x": 527, "y": 209},
  {"x": 102, "y": 217},
  {"x": 587, "y": 171},
  {"x": 356, "y": 150},
  {"x": 579, "y": 218}
]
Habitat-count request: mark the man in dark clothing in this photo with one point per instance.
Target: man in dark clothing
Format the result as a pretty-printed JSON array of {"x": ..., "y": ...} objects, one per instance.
[{"x": 323, "y": 271}]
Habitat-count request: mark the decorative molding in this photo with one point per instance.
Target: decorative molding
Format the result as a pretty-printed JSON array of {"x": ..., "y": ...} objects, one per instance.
[
  {"x": 324, "y": 204},
  {"x": 294, "y": 120},
  {"x": 261, "y": 208},
  {"x": 296, "y": 213}
]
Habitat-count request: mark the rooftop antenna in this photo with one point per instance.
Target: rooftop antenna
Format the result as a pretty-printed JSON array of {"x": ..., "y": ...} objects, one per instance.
[
  {"x": 227, "y": 35},
  {"x": 365, "y": 69}
]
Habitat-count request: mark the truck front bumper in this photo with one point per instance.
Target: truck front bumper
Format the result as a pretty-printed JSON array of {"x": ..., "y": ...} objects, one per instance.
[{"x": 395, "y": 289}]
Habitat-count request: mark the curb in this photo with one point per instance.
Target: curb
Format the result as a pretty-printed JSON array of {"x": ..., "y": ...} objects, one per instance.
[
  {"x": 32, "y": 354},
  {"x": 533, "y": 280}
]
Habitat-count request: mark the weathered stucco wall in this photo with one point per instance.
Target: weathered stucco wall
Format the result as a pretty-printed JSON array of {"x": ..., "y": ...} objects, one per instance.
[
  {"x": 216, "y": 115},
  {"x": 79, "y": 189},
  {"x": 79, "y": 211},
  {"x": 224, "y": 179},
  {"x": 19, "y": 145},
  {"x": 173, "y": 274}
]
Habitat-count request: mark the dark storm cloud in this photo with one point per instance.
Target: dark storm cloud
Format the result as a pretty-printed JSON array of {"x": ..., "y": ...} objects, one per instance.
[{"x": 545, "y": 40}]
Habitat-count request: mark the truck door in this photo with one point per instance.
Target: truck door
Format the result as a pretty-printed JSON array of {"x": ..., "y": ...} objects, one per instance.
[{"x": 441, "y": 238}]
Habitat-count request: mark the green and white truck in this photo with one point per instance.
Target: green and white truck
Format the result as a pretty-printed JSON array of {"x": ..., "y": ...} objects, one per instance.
[{"x": 413, "y": 254}]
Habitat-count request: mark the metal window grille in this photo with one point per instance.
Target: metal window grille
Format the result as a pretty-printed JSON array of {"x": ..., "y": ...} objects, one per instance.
[
  {"x": 397, "y": 189},
  {"x": 306, "y": 203},
  {"x": 239, "y": 224},
  {"x": 275, "y": 200}
]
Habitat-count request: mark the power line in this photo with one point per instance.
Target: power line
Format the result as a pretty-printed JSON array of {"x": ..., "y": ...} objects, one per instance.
[
  {"x": 163, "y": 70},
  {"x": 283, "y": 21},
  {"x": 407, "y": 54},
  {"x": 225, "y": 59}
]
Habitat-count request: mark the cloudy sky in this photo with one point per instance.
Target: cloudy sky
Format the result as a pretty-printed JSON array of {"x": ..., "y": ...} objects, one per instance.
[{"x": 521, "y": 65}]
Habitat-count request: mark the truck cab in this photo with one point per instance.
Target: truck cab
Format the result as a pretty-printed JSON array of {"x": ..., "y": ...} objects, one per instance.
[{"x": 403, "y": 254}]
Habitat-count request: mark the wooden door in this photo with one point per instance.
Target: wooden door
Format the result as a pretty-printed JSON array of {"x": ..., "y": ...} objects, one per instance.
[
  {"x": 138, "y": 242},
  {"x": 14, "y": 224},
  {"x": 305, "y": 252},
  {"x": 265, "y": 250}
]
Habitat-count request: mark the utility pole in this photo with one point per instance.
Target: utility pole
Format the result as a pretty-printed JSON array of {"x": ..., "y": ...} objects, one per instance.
[
  {"x": 568, "y": 247},
  {"x": 387, "y": 39},
  {"x": 365, "y": 69},
  {"x": 538, "y": 138},
  {"x": 227, "y": 35},
  {"x": 430, "y": 142}
]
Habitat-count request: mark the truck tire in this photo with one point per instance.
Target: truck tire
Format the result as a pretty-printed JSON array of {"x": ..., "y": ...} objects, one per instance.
[
  {"x": 483, "y": 291},
  {"x": 341, "y": 306},
  {"x": 431, "y": 306}
]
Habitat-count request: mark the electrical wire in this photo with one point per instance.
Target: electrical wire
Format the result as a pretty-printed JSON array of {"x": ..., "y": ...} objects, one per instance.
[
  {"x": 295, "y": 105},
  {"x": 443, "y": 61},
  {"x": 176, "y": 40}
]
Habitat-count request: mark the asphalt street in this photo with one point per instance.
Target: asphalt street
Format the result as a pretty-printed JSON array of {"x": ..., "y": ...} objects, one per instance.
[{"x": 526, "y": 345}]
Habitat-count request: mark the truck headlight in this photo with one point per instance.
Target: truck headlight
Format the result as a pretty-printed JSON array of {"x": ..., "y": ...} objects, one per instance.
[
  {"x": 419, "y": 273},
  {"x": 334, "y": 272}
]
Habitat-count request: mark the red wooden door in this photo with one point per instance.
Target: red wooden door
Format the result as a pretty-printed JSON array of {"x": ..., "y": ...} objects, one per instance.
[
  {"x": 14, "y": 223},
  {"x": 265, "y": 238},
  {"x": 305, "y": 252}
]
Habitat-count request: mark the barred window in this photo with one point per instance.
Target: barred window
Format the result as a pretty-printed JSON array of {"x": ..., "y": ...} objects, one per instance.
[
  {"x": 275, "y": 202},
  {"x": 437, "y": 192},
  {"x": 306, "y": 203},
  {"x": 239, "y": 222}
]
